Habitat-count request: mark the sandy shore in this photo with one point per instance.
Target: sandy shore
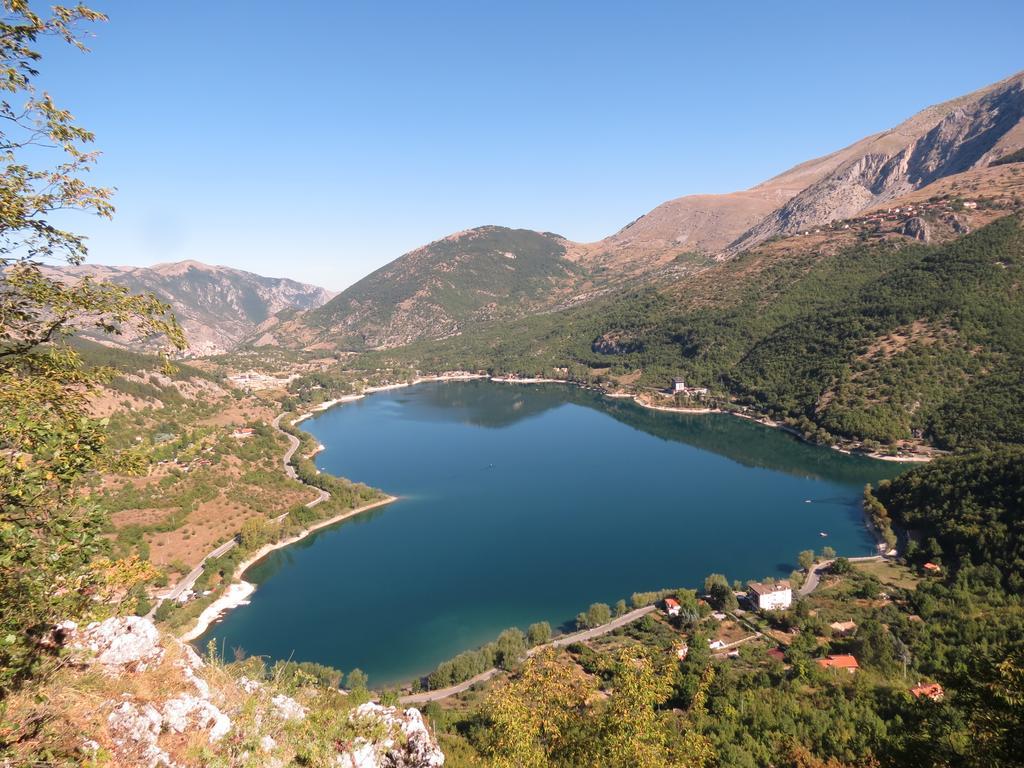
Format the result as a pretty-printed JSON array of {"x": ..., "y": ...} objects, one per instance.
[{"x": 239, "y": 592}]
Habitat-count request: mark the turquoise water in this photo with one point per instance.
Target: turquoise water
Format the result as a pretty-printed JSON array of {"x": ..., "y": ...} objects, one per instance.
[{"x": 527, "y": 503}]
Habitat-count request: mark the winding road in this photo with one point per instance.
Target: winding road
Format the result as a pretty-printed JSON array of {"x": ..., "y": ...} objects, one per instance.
[
  {"x": 190, "y": 579},
  {"x": 558, "y": 642}
]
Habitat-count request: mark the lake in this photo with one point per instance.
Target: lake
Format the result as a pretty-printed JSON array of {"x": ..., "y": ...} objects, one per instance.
[{"x": 522, "y": 503}]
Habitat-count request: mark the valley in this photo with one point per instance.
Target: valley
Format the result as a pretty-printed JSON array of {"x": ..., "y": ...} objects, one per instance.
[{"x": 739, "y": 484}]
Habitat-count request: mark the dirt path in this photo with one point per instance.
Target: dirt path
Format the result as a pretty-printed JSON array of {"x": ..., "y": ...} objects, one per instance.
[{"x": 558, "y": 642}]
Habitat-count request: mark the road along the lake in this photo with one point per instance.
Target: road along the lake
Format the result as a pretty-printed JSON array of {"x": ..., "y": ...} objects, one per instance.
[{"x": 558, "y": 642}]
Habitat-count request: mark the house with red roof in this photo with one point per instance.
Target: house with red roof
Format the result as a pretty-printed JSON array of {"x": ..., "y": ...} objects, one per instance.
[
  {"x": 672, "y": 606},
  {"x": 931, "y": 691},
  {"x": 839, "y": 661}
]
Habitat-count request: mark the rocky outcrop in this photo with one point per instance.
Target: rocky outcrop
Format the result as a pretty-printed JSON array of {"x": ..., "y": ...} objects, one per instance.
[
  {"x": 218, "y": 307},
  {"x": 939, "y": 141},
  {"x": 119, "y": 645},
  {"x": 165, "y": 700},
  {"x": 407, "y": 743},
  {"x": 916, "y": 228}
]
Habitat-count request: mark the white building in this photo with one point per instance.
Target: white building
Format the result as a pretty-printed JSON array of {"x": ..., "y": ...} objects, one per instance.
[
  {"x": 678, "y": 385},
  {"x": 770, "y": 597}
]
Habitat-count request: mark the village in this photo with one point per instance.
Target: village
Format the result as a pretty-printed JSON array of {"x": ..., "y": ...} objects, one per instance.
[{"x": 756, "y": 625}]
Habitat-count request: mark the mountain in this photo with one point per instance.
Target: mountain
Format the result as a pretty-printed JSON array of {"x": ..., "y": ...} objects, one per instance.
[
  {"x": 902, "y": 325},
  {"x": 483, "y": 274},
  {"x": 217, "y": 306},
  {"x": 470, "y": 277}
]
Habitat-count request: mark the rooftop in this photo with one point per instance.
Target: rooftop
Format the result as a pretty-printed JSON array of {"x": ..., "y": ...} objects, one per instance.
[{"x": 760, "y": 588}]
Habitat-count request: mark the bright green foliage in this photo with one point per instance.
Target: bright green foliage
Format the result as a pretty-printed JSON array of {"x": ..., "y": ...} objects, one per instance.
[
  {"x": 972, "y": 507},
  {"x": 596, "y": 615},
  {"x": 538, "y": 633},
  {"x": 49, "y": 539},
  {"x": 876, "y": 342}
]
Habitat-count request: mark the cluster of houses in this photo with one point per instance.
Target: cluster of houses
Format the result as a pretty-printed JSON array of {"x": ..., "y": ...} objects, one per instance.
[{"x": 778, "y": 596}]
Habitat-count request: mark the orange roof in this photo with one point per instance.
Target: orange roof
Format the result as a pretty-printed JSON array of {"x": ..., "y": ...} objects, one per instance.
[
  {"x": 671, "y": 602},
  {"x": 931, "y": 690},
  {"x": 839, "y": 661},
  {"x": 932, "y": 567}
]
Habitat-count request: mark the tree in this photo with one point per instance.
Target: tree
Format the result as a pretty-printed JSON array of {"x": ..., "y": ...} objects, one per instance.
[
  {"x": 828, "y": 553},
  {"x": 509, "y": 648},
  {"x": 719, "y": 592},
  {"x": 620, "y": 608},
  {"x": 598, "y": 614},
  {"x": 538, "y": 633},
  {"x": 356, "y": 680},
  {"x": 49, "y": 537},
  {"x": 841, "y": 565},
  {"x": 806, "y": 559}
]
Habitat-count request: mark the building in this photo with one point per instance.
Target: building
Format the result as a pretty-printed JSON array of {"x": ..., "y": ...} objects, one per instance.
[
  {"x": 777, "y": 596},
  {"x": 843, "y": 628},
  {"x": 839, "y": 661},
  {"x": 933, "y": 568},
  {"x": 672, "y": 606},
  {"x": 243, "y": 433},
  {"x": 681, "y": 651},
  {"x": 678, "y": 385},
  {"x": 931, "y": 691}
]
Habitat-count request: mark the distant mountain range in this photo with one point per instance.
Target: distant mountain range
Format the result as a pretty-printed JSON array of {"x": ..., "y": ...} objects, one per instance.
[
  {"x": 489, "y": 273},
  {"x": 217, "y": 306}
]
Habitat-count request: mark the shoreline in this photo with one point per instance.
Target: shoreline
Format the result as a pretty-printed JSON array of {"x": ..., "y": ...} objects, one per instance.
[
  {"x": 240, "y": 590},
  {"x": 770, "y": 423}
]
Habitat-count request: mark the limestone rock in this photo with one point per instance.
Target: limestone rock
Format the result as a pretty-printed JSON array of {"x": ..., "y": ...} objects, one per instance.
[
  {"x": 408, "y": 744},
  {"x": 135, "y": 730},
  {"x": 187, "y": 712},
  {"x": 121, "y": 644},
  {"x": 287, "y": 708},
  {"x": 917, "y": 228}
]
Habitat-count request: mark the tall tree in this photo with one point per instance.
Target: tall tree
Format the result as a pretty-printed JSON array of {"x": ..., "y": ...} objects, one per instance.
[{"x": 50, "y": 542}]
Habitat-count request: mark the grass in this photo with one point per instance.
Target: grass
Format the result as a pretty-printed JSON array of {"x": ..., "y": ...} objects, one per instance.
[{"x": 889, "y": 573}]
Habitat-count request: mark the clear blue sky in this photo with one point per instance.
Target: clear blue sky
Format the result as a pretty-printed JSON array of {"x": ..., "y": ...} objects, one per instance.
[{"x": 320, "y": 140}]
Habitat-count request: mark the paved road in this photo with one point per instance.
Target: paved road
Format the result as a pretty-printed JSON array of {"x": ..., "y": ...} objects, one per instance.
[
  {"x": 811, "y": 582},
  {"x": 558, "y": 642},
  {"x": 190, "y": 578},
  {"x": 322, "y": 495},
  {"x": 293, "y": 446}
]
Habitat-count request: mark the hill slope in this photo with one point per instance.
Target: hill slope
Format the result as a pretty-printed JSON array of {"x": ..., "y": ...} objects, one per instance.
[
  {"x": 438, "y": 290},
  {"x": 443, "y": 288},
  {"x": 217, "y": 306}
]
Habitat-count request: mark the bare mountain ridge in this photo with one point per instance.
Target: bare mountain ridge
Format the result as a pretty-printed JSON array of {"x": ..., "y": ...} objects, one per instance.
[
  {"x": 217, "y": 306},
  {"x": 447, "y": 285}
]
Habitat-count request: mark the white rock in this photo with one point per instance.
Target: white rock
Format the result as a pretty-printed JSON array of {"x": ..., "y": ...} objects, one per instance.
[
  {"x": 122, "y": 644},
  {"x": 407, "y": 745},
  {"x": 186, "y": 712},
  {"x": 268, "y": 744},
  {"x": 248, "y": 685},
  {"x": 135, "y": 731},
  {"x": 288, "y": 708},
  {"x": 201, "y": 685}
]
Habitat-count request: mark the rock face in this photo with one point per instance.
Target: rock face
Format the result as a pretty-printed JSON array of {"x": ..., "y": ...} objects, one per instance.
[
  {"x": 217, "y": 306},
  {"x": 939, "y": 141},
  {"x": 165, "y": 698},
  {"x": 123, "y": 644},
  {"x": 407, "y": 745},
  {"x": 917, "y": 228}
]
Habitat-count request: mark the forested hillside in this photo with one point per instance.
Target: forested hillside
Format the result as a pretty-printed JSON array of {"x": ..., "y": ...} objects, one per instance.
[
  {"x": 877, "y": 341},
  {"x": 972, "y": 506}
]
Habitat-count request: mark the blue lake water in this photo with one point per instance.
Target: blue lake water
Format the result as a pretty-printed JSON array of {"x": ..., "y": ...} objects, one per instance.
[{"x": 528, "y": 503}]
